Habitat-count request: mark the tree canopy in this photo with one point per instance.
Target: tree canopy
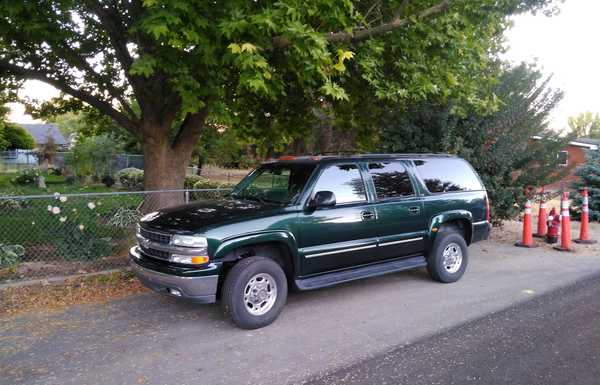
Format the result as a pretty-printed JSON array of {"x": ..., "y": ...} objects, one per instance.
[
  {"x": 585, "y": 124},
  {"x": 161, "y": 68},
  {"x": 13, "y": 136},
  {"x": 499, "y": 144}
]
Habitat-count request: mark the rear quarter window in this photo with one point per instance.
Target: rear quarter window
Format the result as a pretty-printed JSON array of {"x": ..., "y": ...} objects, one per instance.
[{"x": 447, "y": 175}]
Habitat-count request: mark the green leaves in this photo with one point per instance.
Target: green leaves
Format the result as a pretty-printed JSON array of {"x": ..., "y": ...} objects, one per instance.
[{"x": 143, "y": 66}]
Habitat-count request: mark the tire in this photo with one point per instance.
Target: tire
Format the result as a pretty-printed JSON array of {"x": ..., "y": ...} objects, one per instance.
[
  {"x": 444, "y": 268},
  {"x": 249, "y": 289}
]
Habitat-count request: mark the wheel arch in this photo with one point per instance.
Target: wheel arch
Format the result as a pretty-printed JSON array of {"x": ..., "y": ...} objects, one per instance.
[
  {"x": 280, "y": 246},
  {"x": 463, "y": 219}
]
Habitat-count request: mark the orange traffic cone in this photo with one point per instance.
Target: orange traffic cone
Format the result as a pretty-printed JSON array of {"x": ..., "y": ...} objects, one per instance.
[
  {"x": 565, "y": 228},
  {"x": 527, "y": 240},
  {"x": 542, "y": 226},
  {"x": 584, "y": 228}
]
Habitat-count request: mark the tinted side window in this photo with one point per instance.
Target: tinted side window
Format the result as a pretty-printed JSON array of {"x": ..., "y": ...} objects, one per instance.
[
  {"x": 447, "y": 174},
  {"x": 391, "y": 180},
  {"x": 345, "y": 181}
]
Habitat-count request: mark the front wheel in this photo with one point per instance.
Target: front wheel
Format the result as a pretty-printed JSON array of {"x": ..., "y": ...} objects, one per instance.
[
  {"x": 254, "y": 292},
  {"x": 449, "y": 257}
]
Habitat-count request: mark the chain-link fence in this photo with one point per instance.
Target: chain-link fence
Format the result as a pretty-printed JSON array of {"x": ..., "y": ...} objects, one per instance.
[{"x": 55, "y": 235}]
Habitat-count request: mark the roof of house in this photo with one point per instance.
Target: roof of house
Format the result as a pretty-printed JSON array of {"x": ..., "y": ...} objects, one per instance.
[
  {"x": 589, "y": 143},
  {"x": 41, "y": 132},
  {"x": 592, "y": 144}
]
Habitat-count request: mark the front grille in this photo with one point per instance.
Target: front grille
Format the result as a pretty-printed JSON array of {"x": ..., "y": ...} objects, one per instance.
[
  {"x": 155, "y": 236},
  {"x": 159, "y": 254}
]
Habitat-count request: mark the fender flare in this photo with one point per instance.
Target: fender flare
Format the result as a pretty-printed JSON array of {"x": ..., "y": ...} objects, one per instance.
[
  {"x": 448, "y": 216},
  {"x": 284, "y": 238}
]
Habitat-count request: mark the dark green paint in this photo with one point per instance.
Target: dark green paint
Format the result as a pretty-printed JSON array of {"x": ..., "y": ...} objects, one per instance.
[{"x": 332, "y": 238}]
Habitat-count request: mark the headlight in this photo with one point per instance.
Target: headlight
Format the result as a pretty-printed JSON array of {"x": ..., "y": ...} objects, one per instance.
[
  {"x": 189, "y": 241},
  {"x": 189, "y": 259}
]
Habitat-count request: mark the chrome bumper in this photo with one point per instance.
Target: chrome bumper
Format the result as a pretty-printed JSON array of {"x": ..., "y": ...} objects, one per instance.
[{"x": 195, "y": 289}]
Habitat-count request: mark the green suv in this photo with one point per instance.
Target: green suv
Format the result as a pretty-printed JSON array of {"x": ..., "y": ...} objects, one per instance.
[{"x": 312, "y": 222}]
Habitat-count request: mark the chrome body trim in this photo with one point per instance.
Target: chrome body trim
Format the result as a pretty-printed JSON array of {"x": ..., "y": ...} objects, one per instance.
[
  {"x": 340, "y": 251},
  {"x": 401, "y": 241}
]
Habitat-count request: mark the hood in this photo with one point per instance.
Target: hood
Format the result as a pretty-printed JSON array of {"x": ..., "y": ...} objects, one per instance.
[{"x": 196, "y": 216}]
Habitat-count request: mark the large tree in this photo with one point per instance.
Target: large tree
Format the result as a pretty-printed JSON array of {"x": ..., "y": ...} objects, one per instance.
[
  {"x": 511, "y": 147},
  {"x": 585, "y": 124},
  {"x": 160, "y": 68}
]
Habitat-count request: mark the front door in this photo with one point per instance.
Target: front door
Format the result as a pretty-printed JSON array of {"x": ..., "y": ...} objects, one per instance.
[
  {"x": 401, "y": 222},
  {"x": 343, "y": 235}
]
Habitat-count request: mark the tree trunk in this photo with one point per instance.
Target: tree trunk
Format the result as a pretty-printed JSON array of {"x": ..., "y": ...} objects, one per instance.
[{"x": 164, "y": 169}]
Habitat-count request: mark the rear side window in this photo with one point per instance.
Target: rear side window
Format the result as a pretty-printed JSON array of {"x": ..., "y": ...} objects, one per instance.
[
  {"x": 345, "y": 181},
  {"x": 447, "y": 175},
  {"x": 391, "y": 180}
]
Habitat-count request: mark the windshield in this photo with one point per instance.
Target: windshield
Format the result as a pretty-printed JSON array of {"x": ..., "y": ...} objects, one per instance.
[{"x": 275, "y": 183}]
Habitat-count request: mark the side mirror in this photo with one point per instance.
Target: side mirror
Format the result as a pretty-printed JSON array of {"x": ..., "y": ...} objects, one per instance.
[{"x": 322, "y": 199}]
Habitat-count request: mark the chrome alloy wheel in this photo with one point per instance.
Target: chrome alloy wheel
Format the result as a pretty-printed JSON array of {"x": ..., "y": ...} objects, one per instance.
[
  {"x": 260, "y": 294},
  {"x": 452, "y": 258}
]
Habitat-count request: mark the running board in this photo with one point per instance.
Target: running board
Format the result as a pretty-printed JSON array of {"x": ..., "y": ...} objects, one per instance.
[{"x": 330, "y": 279}]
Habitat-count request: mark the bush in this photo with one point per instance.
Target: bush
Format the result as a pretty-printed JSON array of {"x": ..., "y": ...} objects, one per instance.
[
  {"x": 191, "y": 180},
  {"x": 54, "y": 171},
  {"x": 10, "y": 254},
  {"x": 124, "y": 217},
  {"x": 108, "y": 180},
  {"x": 92, "y": 156},
  {"x": 132, "y": 178},
  {"x": 204, "y": 183},
  {"x": 26, "y": 177}
]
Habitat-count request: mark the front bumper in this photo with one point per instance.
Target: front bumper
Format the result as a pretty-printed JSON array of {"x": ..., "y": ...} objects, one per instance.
[{"x": 196, "y": 289}]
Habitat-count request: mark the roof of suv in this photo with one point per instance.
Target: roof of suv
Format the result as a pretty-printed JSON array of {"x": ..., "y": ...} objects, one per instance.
[{"x": 352, "y": 157}]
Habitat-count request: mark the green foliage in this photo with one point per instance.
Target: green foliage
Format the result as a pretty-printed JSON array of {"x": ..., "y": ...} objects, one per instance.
[
  {"x": 16, "y": 137},
  {"x": 131, "y": 178},
  {"x": 10, "y": 255},
  {"x": 125, "y": 217},
  {"x": 499, "y": 144},
  {"x": 191, "y": 180},
  {"x": 225, "y": 148},
  {"x": 92, "y": 156},
  {"x": 161, "y": 68},
  {"x": 26, "y": 177},
  {"x": 585, "y": 125},
  {"x": 589, "y": 176},
  {"x": 204, "y": 183}
]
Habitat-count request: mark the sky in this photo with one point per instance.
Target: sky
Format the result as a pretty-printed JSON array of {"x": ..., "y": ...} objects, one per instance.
[{"x": 565, "y": 46}]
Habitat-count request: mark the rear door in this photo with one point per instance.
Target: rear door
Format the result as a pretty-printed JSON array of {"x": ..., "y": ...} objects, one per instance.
[
  {"x": 401, "y": 221},
  {"x": 344, "y": 235}
]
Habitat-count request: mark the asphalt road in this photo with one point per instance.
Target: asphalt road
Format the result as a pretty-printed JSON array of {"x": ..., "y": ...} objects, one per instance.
[
  {"x": 150, "y": 339},
  {"x": 553, "y": 339}
]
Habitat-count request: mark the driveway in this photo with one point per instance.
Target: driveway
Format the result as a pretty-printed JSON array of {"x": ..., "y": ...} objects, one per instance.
[{"x": 149, "y": 339}]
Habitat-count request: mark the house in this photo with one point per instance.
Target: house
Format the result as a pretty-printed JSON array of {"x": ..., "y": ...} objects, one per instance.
[
  {"x": 571, "y": 157},
  {"x": 42, "y": 132}
]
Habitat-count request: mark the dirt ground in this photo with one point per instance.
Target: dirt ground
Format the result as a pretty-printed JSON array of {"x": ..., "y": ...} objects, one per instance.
[
  {"x": 52, "y": 297},
  {"x": 511, "y": 232}
]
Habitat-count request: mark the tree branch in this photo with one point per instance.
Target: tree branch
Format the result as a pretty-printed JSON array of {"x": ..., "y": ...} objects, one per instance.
[
  {"x": 76, "y": 60},
  {"x": 362, "y": 33},
  {"x": 189, "y": 130},
  {"x": 29, "y": 73}
]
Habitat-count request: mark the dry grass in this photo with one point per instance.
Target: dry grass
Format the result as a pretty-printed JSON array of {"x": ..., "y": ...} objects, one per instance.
[{"x": 73, "y": 291}]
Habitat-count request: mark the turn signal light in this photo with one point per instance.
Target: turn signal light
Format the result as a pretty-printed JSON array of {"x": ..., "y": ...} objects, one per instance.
[{"x": 199, "y": 260}]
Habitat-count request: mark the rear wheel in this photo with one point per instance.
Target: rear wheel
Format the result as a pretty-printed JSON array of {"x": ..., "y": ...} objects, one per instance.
[
  {"x": 449, "y": 256},
  {"x": 254, "y": 292}
]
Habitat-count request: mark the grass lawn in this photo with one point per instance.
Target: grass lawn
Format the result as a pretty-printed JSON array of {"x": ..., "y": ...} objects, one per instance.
[{"x": 54, "y": 183}]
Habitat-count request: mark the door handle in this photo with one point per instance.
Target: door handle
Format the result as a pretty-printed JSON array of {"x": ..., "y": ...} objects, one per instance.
[
  {"x": 367, "y": 215},
  {"x": 414, "y": 210}
]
